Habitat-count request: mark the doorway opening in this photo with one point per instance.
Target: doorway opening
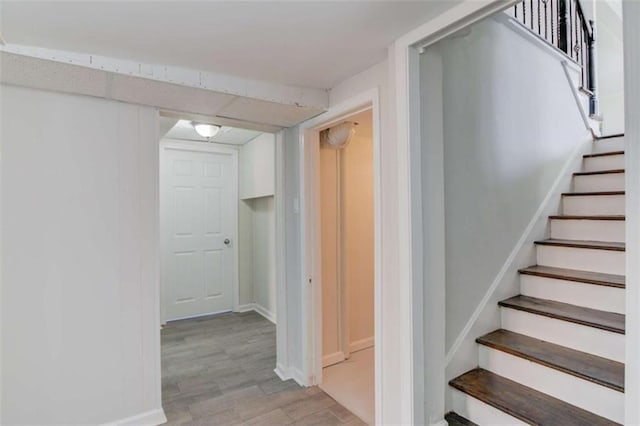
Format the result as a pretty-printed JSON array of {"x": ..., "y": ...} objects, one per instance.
[
  {"x": 347, "y": 251},
  {"x": 218, "y": 269},
  {"x": 217, "y": 221}
]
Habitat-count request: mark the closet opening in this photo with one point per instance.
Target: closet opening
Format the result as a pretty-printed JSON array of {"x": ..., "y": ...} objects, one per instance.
[{"x": 346, "y": 213}]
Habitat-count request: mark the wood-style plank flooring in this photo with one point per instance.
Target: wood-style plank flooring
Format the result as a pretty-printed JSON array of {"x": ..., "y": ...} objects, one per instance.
[{"x": 218, "y": 370}]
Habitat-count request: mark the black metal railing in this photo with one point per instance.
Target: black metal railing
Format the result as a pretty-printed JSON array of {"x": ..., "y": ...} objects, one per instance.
[{"x": 562, "y": 24}]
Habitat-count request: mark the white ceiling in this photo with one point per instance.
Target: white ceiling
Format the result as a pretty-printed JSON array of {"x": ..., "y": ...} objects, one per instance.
[
  {"x": 305, "y": 43},
  {"x": 185, "y": 131}
]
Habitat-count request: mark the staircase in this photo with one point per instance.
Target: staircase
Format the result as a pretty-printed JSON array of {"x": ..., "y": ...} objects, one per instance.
[{"x": 559, "y": 357}]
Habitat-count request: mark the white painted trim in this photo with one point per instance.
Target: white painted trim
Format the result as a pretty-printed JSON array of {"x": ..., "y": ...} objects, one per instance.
[
  {"x": 428, "y": 253},
  {"x": 576, "y": 97},
  {"x": 538, "y": 41},
  {"x": 300, "y": 378},
  {"x": 309, "y": 200},
  {"x": 631, "y": 29},
  {"x": 265, "y": 312},
  {"x": 259, "y": 309},
  {"x": 206, "y": 314},
  {"x": 453, "y": 20},
  {"x": 362, "y": 344},
  {"x": 179, "y": 145},
  {"x": 568, "y": 65},
  {"x": 283, "y": 373},
  {"x": 333, "y": 358},
  {"x": 149, "y": 418},
  {"x": 408, "y": 406},
  {"x": 530, "y": 233},
  {"x": 282, "y": 332},
  {"x": 245, "y": 307},
  {"x": 157, "y": 370},
  {"x": 217, "y": 82}
]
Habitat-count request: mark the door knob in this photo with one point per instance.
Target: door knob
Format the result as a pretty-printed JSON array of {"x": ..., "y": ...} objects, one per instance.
[{"x": 227, "y": 241}]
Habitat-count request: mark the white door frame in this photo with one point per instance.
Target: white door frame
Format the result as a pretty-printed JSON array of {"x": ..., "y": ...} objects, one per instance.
[
  {"x": 631, "y": 29},
  {"x": 203, "y": 147},
  {"x": 422, "y": 391},
  {"x": 282, "y": 329},
  {"x": 311, "y": 238}
]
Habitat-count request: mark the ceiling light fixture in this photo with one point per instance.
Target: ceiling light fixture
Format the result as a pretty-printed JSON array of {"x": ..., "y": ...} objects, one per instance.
[
  {"x": 206, "y": 130},
  {"x": 339, "y": 136}
]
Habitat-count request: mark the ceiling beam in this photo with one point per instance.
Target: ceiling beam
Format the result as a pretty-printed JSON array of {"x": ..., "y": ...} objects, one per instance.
[{"x": 216, "y": 82}]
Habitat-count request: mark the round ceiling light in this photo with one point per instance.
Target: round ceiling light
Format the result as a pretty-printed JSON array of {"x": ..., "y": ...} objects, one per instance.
[{"x": 206, "y": 130}]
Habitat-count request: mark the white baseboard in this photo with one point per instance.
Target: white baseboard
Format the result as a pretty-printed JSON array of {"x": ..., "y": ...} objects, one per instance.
[
  {"x": 291, "y": 373},
  {"x": 283, "y": 373},
  {"x": 245, "y": 308},
  {"x": 150, "y": 418},
  {"x": 264, "y": 312},
  {"x": 257, "y": 308},
  {"x": 333, "y": 358},
  {"x": 299, "y": 377},
  {"x": 361, "y": 344}
]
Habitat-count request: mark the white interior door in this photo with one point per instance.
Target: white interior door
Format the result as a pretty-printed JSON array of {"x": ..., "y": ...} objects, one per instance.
[{"x": 198, "y": 209}]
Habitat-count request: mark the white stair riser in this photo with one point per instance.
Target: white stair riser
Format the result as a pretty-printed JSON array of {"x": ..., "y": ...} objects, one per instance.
[
  {"x": 605, "y": 261},
  {"x": 582, "y": 393},
  {"x": 608, "y": 145},
  {"x": 603, "y": 298},
  {"x": 595, "y": 183},
  {"x": 607, "y": 162},
  {"x": 594, "y": 205},
  {"x": 575, "y": 336},
  {"x": 588, "y": 230},
  {"x": 479, "y": 412}
]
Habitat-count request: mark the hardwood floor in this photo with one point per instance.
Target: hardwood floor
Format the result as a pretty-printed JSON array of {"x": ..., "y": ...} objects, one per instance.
[{"x": 218, "y": 370}]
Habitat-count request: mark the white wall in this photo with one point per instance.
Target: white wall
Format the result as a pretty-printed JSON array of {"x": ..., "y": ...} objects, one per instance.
[
  {"x": 330, "y": 252},
  {"x": 245, "y": 251},
  {"x": 610, "y": 65},
  {"x": 80, "y": 266},
  {"x": 258, "y": 175},
  {"x": 508, "y": 132},
  {"x": 358, "y": 235},
  {"x": 264, "y": 255},
  {"x": 257, "y": 225},
  {"x": 293, "y": 250}
]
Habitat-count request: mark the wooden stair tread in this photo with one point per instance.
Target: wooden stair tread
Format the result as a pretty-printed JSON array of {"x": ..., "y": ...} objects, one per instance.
[
  {"x": 594, "y": 217},
  {"x": 599, "y": 172},
  {"x": 603, "y": 154},
  {"x": 455, "y": 419},
  {"x": 589, "y": 367},
  {"x": 609, "y": 321},
  {"x": 587, "y": 194},
  {"x": 521, "y": 402},
  {"x": 588, "y": 277},
  {"x": 596, "y": 245}
]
